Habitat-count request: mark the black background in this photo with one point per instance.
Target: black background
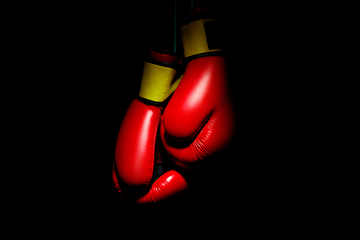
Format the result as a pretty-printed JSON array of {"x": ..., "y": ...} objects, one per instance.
[{"x": 69, "y": 70}]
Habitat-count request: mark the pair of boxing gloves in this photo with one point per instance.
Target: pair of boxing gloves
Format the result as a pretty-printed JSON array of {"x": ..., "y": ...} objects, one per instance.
[{"x": 189, "y": 114}]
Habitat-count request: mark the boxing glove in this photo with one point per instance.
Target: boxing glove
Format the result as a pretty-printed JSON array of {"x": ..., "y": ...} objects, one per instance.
[
  {"x": 199, "y": 118},
  {"x": 136, "y": 150}
]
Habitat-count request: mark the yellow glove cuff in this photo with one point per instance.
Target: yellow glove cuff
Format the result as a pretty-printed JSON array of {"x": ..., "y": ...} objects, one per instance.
[
  {"x": 199, "y": 37},
  {"x": 157, "y": 82}
]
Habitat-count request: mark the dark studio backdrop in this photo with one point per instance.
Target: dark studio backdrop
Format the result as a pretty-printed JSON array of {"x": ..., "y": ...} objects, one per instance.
[{"x": 69, "y": 70}]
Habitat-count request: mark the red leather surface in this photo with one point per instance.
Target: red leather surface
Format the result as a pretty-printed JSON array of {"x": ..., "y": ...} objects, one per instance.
[
  {"x": 135, "y": 145},
  {"x": 199, "y": 120},
  {"x": 166, "y": 186},
  {"x": 162, "y": 57},
  {"x": 116, "y": 181}
]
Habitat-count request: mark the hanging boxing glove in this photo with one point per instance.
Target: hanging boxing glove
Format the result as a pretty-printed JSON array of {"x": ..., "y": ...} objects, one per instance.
[
  {"x": 136, "y": 142},
  {"x": 199, "y": 119}
]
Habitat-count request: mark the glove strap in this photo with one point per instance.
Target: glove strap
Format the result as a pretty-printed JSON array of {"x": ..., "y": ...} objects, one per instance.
[
  {"x": 156, "y": 84},
  {"x": 159, "y": 78},
  {"x": 200, "y": 37}
]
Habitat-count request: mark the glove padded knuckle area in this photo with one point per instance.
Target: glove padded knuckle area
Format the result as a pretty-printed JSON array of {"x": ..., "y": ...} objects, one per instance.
[
  {"x": 198, "y": 94},
  {"x": 135, "y": 146}
]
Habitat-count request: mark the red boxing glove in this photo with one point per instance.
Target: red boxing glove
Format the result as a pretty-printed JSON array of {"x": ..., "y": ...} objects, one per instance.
[
  {"x": 135, "y": 152},
  {"x": 199, "y": 119}
]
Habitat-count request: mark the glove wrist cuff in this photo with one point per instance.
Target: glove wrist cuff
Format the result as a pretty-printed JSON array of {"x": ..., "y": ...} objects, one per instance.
[
  {"x": 200, "y": 37},
  {"x": 159, "y": 78}
]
